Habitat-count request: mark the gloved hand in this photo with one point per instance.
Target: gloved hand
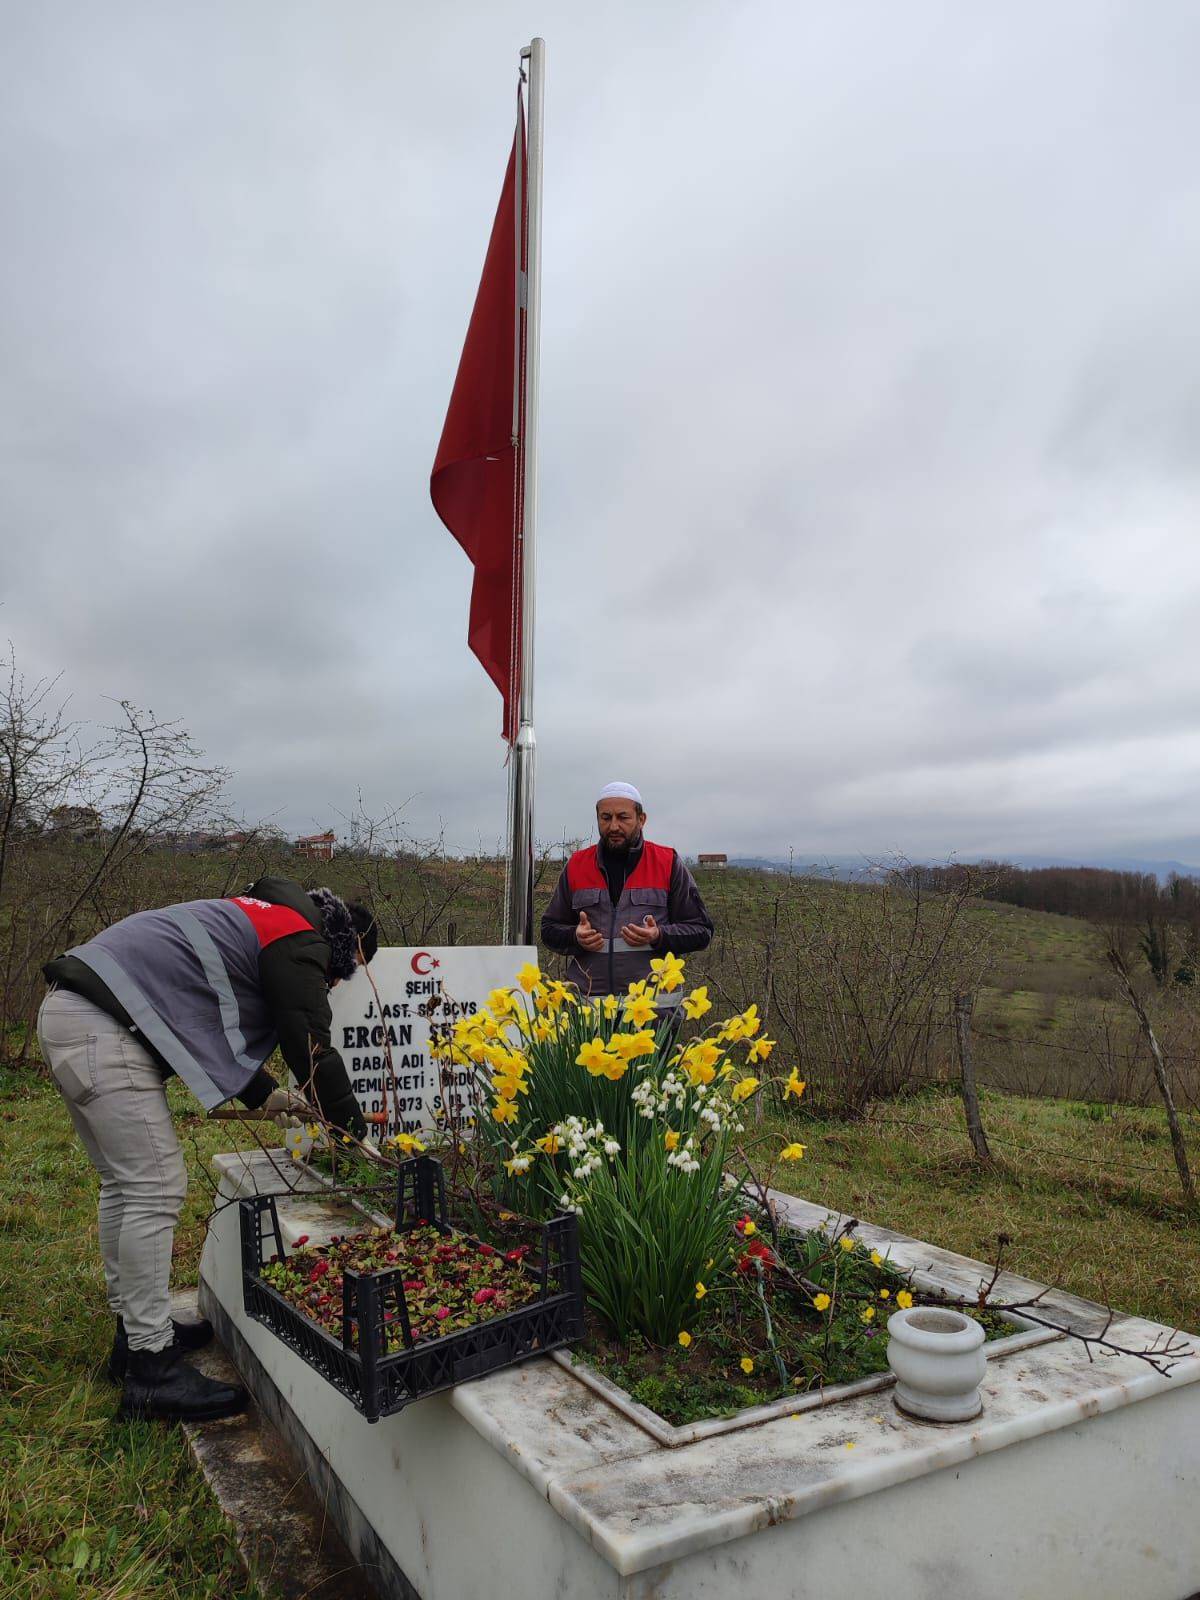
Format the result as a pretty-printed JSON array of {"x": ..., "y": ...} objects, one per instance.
[{"x": 285, "y": 1105}]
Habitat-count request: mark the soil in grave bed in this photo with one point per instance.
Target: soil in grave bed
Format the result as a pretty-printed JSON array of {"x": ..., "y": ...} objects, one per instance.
[
  {"x": 731, "y": 1363},
  {"x": 450, "y": 1282}
]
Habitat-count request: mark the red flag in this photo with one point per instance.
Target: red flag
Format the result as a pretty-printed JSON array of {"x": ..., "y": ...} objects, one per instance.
[{"x": 476, "y": 484}]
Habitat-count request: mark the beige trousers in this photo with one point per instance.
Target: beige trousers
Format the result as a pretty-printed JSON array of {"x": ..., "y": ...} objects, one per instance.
[{"x": 118, "y": 1102}]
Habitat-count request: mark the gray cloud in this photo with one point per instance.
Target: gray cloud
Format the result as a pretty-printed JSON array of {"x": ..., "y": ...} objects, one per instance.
[{"x": 871, "y": 397}]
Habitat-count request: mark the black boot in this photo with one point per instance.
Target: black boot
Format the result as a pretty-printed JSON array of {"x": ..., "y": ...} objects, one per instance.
[
  {"x": 185, "y": 1336},
  {"x": 159, "y": 1383}
]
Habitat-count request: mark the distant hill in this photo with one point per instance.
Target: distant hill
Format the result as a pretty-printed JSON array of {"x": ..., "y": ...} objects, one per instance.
[{"x": 859, "y": 866}]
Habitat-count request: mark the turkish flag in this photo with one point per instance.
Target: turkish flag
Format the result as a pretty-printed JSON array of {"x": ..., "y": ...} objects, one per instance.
[{"x": 477, "y": 479}]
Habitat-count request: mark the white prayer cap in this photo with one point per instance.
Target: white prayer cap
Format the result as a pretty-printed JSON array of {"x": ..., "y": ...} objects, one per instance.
[{"x": 620, "y": 791}]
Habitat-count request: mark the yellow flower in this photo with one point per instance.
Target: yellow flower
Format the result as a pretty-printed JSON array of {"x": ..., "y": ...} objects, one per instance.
[
  {"x": 670, "y": 1139},
  {"x": 795, "y": 1085},
  {"x": 868, "y": 1314},
  {"x": 822, "y": 1302},
  {"x": 593, "y": 1056},
  {"x": 639, "y": 1010},
  {"x": 876, "y": 1259},
  {"x": 407, "y": 1142},
  {"x": 904, "y": 1300},
  {"x": 504, "y": 1111},
  {"x": 542, "y": 1031},
  {"x": 628, "y": 1045},
  {"x": 550, "y": 1143},
  {"x": 685, "y": 1338},
  {"x": 639, "y": 986},
  {"x": 507, "y": 1086},
  {"x": 614, "y": 1068},
  {"x": 699, "y": 1061},
  {"x": 743, "y": 1090},
  {"x": 668, "y": 970},
  {"x": 885, "y": 1294},
  {"x": 501, "y": 1003},
  {"x": 610, "y": 1005},
  {"x": 701, "y": 1291},
  {"x": 750, "y": 1021},
  {"x": 529, "y": 977},
  {"x": 760, "y": 1050},
  {"x": 746, "y": 1365},
  {"x": 697, "y": 1003},
  {"x": 847, "y": 1241},
  {"x": 792, "y": 1152},
  {"x": 748, "y": 1229}
]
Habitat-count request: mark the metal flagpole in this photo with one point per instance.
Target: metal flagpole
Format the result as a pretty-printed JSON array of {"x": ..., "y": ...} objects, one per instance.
[{"x": 518, "y": 916}]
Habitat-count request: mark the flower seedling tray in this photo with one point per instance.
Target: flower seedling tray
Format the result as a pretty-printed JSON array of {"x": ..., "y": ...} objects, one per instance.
[{"x": 378, "y": 1381}]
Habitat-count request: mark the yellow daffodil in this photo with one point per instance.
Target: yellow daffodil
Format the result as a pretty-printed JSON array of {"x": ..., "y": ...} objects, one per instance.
[
  {"x": 504, "y": 1111},
  {"x": 599, "y": 1061},
  {"x": 868, "y": 1314},
  {"x": 550, "y": 1144},
  {"x": 697, "y": 1003},
  {"x": 610, "y": 1005},
  {"x": 701, "y": 1291},
  {"x": 501, "y": 1003},
  {"x": 904, "y": 1300},
  {"x": 592, "y": 1056},
  {"x": 529, "y": 977},
  {"x": 507, "y": 1086},
  {"x": 639, "y": 1010},
  {"x": 638, "y": 986},
  {"x": 760, "y": 1050},
  {"x": 542, "y": 1031},
  {"x": 848, "y": 1242},
  {"x": 407, "y": 1143},
  {"x": 750, "y": 1021},
  {"x": 699, "y": 1061},
  {"x": 794, "y": 1086},
  {"x": 746, "y": 1365},
  {"x": 668, "y": 970},
  {"x": 822, "y": 1302},
  {"x": 743, "y": 1090},
  {"x": 792, "y": 1152},
  {"x": 685, "y": 1338},
  {"x": 670, "y": 1139}
]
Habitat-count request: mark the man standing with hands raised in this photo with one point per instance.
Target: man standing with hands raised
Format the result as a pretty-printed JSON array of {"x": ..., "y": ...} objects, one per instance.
[{"x": 623, "y": 901}]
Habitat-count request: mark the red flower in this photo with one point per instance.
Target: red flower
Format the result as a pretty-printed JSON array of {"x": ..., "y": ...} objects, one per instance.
[
  {"x": 303, "y": 1239},
  {"x": 482, "y": 1296},
  {"x": 442, "y": 1313},
  {"x": 486, "y": 1250},
  {"x": 521, "y": 1251},
  {"x": 756, "y": 1250},
  {"x": 320, "y": 1268},
  {"x": 414, "y": 1283}
]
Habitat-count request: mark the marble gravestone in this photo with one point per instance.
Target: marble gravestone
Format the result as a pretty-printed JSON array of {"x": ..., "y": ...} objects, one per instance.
[
  {"x": 388, "y": 1010},
  {"x": 1080, "y": 1478}
]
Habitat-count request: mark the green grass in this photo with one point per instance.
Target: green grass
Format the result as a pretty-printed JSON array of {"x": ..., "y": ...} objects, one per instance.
[
  {"x": 1088, "y": 1194},
  {"x": 88, "y": 1506}
]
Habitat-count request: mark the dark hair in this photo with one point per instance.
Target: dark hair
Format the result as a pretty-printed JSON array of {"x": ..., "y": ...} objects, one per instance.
[{"x": 366, "y": 928}]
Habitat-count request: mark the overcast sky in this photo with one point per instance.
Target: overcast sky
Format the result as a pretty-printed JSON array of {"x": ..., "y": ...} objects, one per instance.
[{"x": 871, "y": 408}]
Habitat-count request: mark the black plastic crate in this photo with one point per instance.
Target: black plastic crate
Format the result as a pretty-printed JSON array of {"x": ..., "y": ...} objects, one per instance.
[{"x": 378, "y": 1383}]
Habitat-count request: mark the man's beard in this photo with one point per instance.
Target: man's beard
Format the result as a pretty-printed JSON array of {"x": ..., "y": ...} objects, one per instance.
[{"x": 626, "y": 845}]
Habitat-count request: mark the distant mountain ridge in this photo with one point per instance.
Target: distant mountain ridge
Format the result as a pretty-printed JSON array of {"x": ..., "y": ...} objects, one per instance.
[{"x": 854, "y": 866}]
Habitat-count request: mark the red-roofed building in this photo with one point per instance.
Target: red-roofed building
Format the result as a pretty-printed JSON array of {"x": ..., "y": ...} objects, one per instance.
[{"x": 317, "y": 846}]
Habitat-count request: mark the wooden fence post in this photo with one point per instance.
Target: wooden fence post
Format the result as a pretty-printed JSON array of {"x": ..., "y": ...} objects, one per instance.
[
  {"x": 1117, "y": 962},
  {"x": 962, "y": 1030}
]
